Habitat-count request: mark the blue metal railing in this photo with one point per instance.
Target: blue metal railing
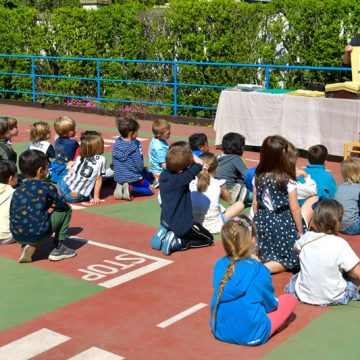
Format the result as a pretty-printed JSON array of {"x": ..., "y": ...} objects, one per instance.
[{"x": 174, "y": 83}]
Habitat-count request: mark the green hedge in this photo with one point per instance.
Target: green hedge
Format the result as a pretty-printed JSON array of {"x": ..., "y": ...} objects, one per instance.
[{"x": 286, "y": 32}]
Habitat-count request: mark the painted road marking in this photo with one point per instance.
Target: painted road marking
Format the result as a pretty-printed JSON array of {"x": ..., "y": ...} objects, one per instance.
[
  {"x": 123, "y": 261},
  {"x": 253, "y": 160},
  {"x": 96, "y": 353},
  {"x": 32, "y": 345},
  {"x": 181, "y": 315},
  {"x": 76, "y": 207}
]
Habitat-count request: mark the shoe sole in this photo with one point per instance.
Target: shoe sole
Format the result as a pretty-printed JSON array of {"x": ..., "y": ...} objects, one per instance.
[
  {"x": 61, "y": 257},
  {"x": 157, "y": 239},
  {"x": 126, "y": 192},
  {"x": 165, "y": 248},
  {"x": 118, "y": 193},
  {"x": 26, "y": 254}
]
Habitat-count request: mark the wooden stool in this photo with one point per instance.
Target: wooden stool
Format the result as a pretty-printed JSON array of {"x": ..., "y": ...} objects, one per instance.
[{"x": 352, "y": 147}]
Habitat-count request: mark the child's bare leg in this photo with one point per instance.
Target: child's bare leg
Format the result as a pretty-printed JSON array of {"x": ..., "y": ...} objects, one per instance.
[
  {"x": 307, "y": 211},
  {"x": 275, "y": 267},
  {"x": 234, "y": 210}
]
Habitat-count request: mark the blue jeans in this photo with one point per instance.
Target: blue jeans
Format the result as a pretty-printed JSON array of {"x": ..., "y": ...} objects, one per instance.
[
  {"x": 141, "y": 188},
  {"x": 69, "y": 195},
  {"x": 354, "y": 229}
]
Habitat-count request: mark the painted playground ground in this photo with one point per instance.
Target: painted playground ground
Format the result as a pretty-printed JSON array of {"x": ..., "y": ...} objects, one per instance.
[{"x": 119, "y": 299}]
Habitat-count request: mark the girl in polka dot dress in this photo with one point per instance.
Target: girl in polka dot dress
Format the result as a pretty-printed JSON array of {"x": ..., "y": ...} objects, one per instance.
[{"x": 277, "y": 212}]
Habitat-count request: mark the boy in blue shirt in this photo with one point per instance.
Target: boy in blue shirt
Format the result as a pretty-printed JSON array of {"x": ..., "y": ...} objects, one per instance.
[
  {"x": 31, "y": 223},
  {"x": 325, "y": 182},
  {"x": 159, "y": 148},
  {"x": 199, "y": 143},
  {"x": 128, "y": 161},
  {"x": 178, "y": 230},
  {"x": 65, "y": 147}
]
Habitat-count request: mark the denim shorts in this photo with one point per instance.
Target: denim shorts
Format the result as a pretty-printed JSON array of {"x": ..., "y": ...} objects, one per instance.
[
  {"x": 68, "y": 194},
  {"x": 354, "y": 229}
]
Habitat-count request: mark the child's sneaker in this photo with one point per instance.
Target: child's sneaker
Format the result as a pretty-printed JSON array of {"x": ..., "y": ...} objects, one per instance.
[
  {"x": 156, "y": 183},
  {"x": 171, "y": 243},
  {"x": 126, "y": 192},
  {"x": 61, "y": 253},
  {"x": 118, "y": 193},
  {"x": 158, "y": 238},
  {"x": 26, "y": 254},
  {"x": 235, "y": 192}
]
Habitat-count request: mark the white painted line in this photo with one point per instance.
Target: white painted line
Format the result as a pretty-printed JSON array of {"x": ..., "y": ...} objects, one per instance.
[
  {"x": 32, "y": 345},
  {"x": 96, "y": 353},
  {"x": 181, "y": 315},
  {"x": 253, "y": 160},
  {"x": 109, "y": 141},
  {"x": 107, "y": 145},
  {"x": 77, "y": 207}
]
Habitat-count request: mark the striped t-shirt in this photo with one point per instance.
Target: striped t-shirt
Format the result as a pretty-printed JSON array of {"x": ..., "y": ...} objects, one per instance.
[{"x": 82, "y": 176}]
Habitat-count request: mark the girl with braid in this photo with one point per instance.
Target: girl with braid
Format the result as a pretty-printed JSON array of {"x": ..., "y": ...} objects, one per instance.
[{"x": 244, "y": 308}]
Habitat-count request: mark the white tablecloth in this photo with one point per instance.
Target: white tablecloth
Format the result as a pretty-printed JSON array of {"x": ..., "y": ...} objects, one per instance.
[{"x": 305, "y": 121}]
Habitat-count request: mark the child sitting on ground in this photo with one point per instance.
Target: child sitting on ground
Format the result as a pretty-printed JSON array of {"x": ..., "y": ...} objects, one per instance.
[
  {"x": 8, "y": 179},
  {"x": 205, "y": 194},
  {"x": 158, "y": 148},
  {"x": 128, "y": 161},
  {"x": 85, "y": 175},
  {"x": 199, "y": 143},
  {"x": 37, "y": 210},
  {"x": 13, "y": 127},
  {"x": 244, "y": 308},
  {"x": 325, "y": 182},
  {"x": 6, "y": 150},
  {"x": 40, "y": 133},
  {"x": 348, "y": 195},
  {"x": 324, "y": 260},
  {"x": 232, "y": 166},
  {"x": 65, "y": 147},
  {"x": 178, "y": 230}
]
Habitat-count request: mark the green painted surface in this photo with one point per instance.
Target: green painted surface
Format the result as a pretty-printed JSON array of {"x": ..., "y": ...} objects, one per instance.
[
  {"x": 332, "y": 336},
  {"x": 28, "y": 292},
  {"x": 145, "y": 212}
]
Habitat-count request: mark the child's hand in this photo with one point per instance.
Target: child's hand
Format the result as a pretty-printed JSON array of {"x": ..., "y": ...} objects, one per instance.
[
  {"x": 96, "y": 201},
  {"x": 301, "y": 172}
]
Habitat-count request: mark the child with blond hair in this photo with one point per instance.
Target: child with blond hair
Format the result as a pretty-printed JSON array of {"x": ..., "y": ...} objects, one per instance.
[
  {"x": 40, "y": 133},
  {"x": 65, "y": 147},
  {"x": 348, "y": 195},
  {"x": 205, "y": 194},
  {"x": 158, "y": 148},
  {"x": 244, "y": 308}
]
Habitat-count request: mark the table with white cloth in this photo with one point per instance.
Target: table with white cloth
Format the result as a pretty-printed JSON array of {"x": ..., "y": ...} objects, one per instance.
[{"x": 305, "y": 121}]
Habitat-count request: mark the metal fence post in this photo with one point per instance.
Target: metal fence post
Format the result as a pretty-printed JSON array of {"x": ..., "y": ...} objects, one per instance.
[
  {"x": 267, "y": 77},
  {"x": 175, "y": 88},
  {"x": 33, "y": 82},
  {"x": 98, "y": 75}
]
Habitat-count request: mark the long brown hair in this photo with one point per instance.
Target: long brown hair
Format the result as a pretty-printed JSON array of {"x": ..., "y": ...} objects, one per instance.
[
  {"x": 236, "y": 237},
  {"x": 275, "y": 162},
  {"x": 204, "y": 176}
]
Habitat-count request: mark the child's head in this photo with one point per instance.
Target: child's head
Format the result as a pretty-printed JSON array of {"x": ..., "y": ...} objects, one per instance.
[
  {"x": 233, "y": 143},
  {"x": 317, "y": 154},
  {"x": 127, "y": 125},
  {"x": 274, "y": 159},
  {"x": 33, "y": 164},
  {"x": 199, "y": 141},
  {"x": 65, "y": 126},
  {"x": 40, "y": 131},
  {"x": 179, "y": 158},
  {"x": 178, "y": 143},
  {"x": 204, "y": 176},
  {"x": 327, "y": 216},
  {"x": 91, "y": 144},
  {"x": 13, "y": 127},
  {"x": 350, "y": 170},
  {"x": 8, "y": 173},
  {"x": 161, "y": 129},
  {"x": 4, "y": 128}
]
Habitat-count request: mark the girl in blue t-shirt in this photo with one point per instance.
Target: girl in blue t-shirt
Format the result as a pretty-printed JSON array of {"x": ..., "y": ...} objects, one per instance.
[{"x": 244, "y": 308}]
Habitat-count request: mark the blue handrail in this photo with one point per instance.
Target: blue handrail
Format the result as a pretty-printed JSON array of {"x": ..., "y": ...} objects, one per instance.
[{"x": 34, "y": 74}]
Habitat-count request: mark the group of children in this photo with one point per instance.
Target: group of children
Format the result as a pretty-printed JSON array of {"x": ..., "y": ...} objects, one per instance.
[{"x": 293, "y": 222}]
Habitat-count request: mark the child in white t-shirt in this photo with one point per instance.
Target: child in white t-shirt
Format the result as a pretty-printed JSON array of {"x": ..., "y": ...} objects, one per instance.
[
  {"x": 324, "y": 261},
  {"x": 85, "y": 174},
  {"x": 205, "y": 194},
  {"x": 40, "y": 133}
]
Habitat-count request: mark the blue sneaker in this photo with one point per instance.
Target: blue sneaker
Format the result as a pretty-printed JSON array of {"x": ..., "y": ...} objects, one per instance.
[
  {"x": 158, "y": 238},
  {"x": 171, "y": 243}
]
